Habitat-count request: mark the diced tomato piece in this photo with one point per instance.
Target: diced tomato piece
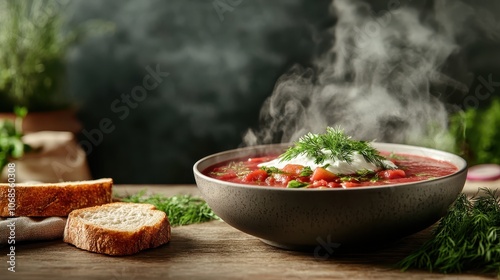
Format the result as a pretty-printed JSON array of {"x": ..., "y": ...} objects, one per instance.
[
  {"x": 270, "y": 181},
  {"x": 278, "y": 179},
  {"x": 293, "y": 169},
  {"x": 322, "y": 174},
  {"x": 349, "y": 184},
  {"x": 334, "y": 185},
  {"x": 318, "y": 183},
  {"x": 258, "y": 175},
  {"x": 392, "y": 174}
]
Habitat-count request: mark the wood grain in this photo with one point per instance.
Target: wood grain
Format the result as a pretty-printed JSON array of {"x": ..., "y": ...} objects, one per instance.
[{"x": 215, "y": 250}]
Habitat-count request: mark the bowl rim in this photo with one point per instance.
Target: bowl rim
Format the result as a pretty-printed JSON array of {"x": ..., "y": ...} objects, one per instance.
[{"x": 461, "y": 169}]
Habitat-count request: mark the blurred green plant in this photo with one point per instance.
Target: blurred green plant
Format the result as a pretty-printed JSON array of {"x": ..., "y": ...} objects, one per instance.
[
  {"x": 477, "y": 133},
  {"x": 33, "y": 47},
  {"x": 11, "y": 144},
  {"x": 31, "y": 55}
]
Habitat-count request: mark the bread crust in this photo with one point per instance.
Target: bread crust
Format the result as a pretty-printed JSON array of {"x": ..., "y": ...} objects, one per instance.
[
  {"x": 57, "y": 199},
  {"x": 85, "y": 235}
]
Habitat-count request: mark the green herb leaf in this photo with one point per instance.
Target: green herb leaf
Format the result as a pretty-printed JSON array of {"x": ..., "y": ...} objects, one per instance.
[
  {"x": 306, "y": 171},
  {"x": 296, "y": 184},
  {"x": 11, "y": 144},
  {"x": 20, "y": 111},
  {"x": 180, "y": 209},
  {"x": 271, "y": 170},
  {"x": 334, "y": 145}
]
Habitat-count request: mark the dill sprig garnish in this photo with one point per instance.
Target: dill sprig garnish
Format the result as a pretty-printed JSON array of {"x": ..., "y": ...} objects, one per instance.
[
  {"x": 335, "y": 145},
  {"x": 466, "y": 238},
  {"x": 181, "y": 209}
]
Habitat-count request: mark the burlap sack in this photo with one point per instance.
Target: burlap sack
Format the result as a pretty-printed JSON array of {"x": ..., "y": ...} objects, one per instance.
[{"x": 57, "y": 157}]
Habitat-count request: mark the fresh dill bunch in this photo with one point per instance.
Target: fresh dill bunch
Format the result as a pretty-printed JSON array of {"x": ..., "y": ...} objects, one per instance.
[
  {"x": 334, "y": 145},
  {"x": 181, "y": 209},
  {"x": 466, "y": 238}
]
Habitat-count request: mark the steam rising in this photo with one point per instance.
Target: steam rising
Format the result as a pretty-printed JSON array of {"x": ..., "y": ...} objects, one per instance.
[{"x": 375, "y": 80}]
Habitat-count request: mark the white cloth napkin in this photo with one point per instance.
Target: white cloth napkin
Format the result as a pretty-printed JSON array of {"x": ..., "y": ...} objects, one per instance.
[{"x": 31, "y": 228}]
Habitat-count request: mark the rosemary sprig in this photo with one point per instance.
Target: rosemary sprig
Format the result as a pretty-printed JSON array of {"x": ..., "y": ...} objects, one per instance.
[
  {"x": 335, "y": 145},
  {"x": 466, "y": 238},
  {"x": 181, "y": 209}
]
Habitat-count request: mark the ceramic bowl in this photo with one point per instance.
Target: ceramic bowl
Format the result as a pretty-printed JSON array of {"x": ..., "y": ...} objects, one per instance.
[{"x": 299, "y": 219}]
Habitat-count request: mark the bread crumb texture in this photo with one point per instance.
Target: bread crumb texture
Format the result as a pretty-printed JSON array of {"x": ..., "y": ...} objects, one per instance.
[{"x": 118, "y": 228}]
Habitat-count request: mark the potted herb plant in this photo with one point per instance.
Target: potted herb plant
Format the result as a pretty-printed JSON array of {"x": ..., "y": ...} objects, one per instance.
[
  {"x": 33, "y": 49},
  {"x": 32, "y": 65}
]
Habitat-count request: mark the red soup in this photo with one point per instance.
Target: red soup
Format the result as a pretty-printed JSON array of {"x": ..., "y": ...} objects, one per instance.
[{"x": 411, "y": 168}]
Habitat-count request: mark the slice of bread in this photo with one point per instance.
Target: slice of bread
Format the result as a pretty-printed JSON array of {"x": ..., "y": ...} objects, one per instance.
[
  {"x": 53, "y": 199},
  {"x": 118, "y": 228}
]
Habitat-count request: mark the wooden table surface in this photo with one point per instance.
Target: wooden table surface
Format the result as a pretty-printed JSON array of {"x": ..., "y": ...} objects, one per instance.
[{"x": 214, "y": 250}]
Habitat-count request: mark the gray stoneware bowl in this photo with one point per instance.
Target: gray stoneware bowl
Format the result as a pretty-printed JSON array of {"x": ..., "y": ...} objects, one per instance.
[{"x": 300, "y": 219}]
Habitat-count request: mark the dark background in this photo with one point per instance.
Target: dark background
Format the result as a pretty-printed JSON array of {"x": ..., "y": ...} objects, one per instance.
[{"x": 222, "y": 67}]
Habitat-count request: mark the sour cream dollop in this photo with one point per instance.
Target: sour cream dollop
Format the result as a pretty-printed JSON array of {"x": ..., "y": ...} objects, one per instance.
[{"x": 335, "y": 166}]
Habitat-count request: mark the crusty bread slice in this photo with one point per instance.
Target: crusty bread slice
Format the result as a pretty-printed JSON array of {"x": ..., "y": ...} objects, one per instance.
[
  {"x": 118, "y": 228},
  {"x": 53, "y": 199}
]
